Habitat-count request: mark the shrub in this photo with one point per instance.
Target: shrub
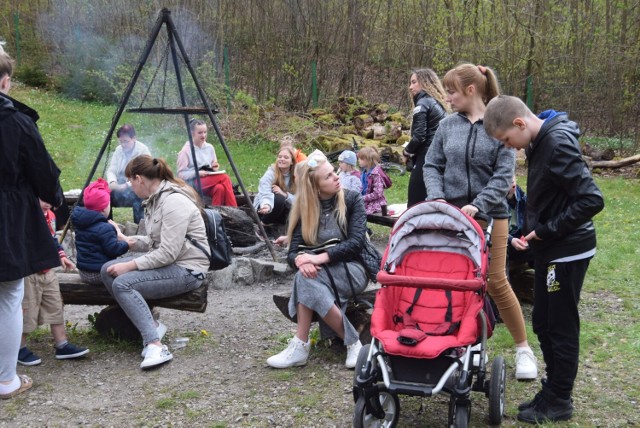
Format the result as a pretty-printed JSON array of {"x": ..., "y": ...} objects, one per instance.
[{"x": 32, "y": 75}]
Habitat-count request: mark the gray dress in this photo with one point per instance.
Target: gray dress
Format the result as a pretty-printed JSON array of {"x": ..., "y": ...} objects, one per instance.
[{"x": 317, "y": 293}]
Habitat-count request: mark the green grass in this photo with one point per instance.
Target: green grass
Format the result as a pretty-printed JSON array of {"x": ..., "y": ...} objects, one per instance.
[
  {"x": 74, "y": 133},
  {"x": 620, "y": 144}
]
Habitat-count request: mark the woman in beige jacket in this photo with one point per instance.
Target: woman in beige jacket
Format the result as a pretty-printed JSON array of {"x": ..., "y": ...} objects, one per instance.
[{"x": 172, "y": 266}]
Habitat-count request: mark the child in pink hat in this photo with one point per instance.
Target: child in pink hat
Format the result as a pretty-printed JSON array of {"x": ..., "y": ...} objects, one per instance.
[{"x": 98, "y": 239}]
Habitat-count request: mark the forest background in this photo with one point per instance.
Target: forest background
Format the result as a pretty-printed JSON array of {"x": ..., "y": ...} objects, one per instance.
[{"x": 579, "y": 56}]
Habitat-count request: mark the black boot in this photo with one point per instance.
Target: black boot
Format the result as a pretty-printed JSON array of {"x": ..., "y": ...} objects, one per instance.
[{"x": 548, "y": 408}]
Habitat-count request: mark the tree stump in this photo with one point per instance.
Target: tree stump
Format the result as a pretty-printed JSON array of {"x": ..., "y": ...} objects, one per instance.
[{"x": 114, "y": 323}]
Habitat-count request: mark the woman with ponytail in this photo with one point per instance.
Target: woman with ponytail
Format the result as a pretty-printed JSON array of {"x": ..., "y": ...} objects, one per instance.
[
  {"x": 172, "y": 265},
  {"x": 471, "y": 170}
]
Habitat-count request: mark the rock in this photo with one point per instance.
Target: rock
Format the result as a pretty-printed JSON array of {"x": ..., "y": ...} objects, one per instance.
[
  {"x": 244, "y": 273},
  {"x": 262, "y": 269},
  {"x": 223, "y": 279}
]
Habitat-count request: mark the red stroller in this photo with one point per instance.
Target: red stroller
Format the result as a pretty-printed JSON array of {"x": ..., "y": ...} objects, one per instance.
[{"x": 427, "y": 316}]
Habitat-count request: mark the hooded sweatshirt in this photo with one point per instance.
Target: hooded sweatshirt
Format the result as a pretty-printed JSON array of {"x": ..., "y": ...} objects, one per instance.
[
  {"x": 466, "y": 166},
  {"x": 561, "y": 194}
]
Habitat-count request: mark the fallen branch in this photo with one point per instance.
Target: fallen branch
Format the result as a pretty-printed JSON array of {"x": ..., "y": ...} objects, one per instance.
[{"x": 616, "y": 163}]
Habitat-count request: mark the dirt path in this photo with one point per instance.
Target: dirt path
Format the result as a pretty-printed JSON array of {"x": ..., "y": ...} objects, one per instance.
[{"x": 217, "y": 380}]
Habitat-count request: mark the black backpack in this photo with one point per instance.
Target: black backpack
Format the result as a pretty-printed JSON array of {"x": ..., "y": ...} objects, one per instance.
[{"x": 219, "y": 253}]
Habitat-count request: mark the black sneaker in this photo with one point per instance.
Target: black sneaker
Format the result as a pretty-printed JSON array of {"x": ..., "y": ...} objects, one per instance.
[
  {"x": 70, "y": 351},
  {"x": 538, "y": 396},
  {"x": 28, "y": 358},
  {"x": 548, "y": 408}
]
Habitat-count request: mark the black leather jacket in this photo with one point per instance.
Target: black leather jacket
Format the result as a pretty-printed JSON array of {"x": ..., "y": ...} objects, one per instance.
[
  {"x": 426, "y": 118},
  {"x": 351, "y": 247},
  {"x": 561, "y": 194}
]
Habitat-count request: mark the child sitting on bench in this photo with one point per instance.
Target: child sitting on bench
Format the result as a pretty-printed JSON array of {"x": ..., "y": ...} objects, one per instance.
[{"x": 98, "y": 239}]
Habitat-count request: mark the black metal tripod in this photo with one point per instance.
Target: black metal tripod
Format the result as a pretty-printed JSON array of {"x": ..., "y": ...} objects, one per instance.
[{"x": 175, "y": 45}]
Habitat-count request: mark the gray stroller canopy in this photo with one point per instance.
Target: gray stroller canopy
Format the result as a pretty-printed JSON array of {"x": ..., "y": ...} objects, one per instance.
[{"x": 435, "y": 226}]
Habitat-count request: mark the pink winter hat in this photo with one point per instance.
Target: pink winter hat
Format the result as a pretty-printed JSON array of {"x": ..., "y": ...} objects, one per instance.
[{"x": 97, "y": 195}]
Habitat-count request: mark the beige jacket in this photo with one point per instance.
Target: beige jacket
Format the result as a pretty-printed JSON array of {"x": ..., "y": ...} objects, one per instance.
[{"x": 170, "y": 214}]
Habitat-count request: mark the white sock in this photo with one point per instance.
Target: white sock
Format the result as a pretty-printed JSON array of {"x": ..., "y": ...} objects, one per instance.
[
  {"x": 15, "y": 384},
  {"x": 300, "y": 340}
]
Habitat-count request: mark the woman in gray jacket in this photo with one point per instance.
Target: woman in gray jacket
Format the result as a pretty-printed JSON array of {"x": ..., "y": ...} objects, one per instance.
[
  {"x": 172, "y": 266},
  {"x": 473, "y": 171}
]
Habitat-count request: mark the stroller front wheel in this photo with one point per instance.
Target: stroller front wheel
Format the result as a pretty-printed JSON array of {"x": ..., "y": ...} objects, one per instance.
[
  {"x": 459, "y": 413},
  {"x": 390, "y": 406}
]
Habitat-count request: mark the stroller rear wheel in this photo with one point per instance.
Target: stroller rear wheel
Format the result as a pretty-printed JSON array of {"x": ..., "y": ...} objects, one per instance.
[
  {"x": 497, "y": 386},
  {"x": 459, "y": 413},
  {"x": 390, "y": 405}
]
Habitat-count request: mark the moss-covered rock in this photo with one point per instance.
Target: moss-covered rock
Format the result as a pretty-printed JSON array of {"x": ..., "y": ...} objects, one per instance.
[
  {"x": 317, "y": 112},
  {"x": 327, "y": 119},
  {"x": 347, "y": 129},
  {"x": 403, "y": 139},
  {"x": 366, "y": 132}
]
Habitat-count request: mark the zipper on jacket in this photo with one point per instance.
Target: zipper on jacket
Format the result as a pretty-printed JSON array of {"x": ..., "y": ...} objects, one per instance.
[
  {"x": 475, "y": 140},
  {"x": 466, "y": 161}
]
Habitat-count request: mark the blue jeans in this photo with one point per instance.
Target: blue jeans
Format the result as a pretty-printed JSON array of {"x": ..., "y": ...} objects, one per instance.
[
  {"x": 11, "y": 293},
  {"x": 131, "y": 289}
]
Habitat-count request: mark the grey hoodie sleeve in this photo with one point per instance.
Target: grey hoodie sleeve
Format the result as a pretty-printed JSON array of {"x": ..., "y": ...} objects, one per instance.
[
  {"x": 495, "y": 191},
  {"x": 433, "y": 169}
]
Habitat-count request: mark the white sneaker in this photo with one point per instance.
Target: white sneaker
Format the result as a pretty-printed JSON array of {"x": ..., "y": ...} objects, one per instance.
[
  {"x": 162, "y": 330},
  {"x": 526, "y": 368},
  {"x": 476, "y": 357},
  {"x": 296, "y": 354},
  {"x": 352, "y": 354},
  {"x": 155, "y": 355}
]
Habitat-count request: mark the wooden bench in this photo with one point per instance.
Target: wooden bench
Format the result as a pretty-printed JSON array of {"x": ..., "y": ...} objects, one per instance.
[
  {"x": 381, "y": 219},
  {"x": 358, "y": 311},
  {"x": 76, "y": 292},
  {"x": 112, "y": 321}
]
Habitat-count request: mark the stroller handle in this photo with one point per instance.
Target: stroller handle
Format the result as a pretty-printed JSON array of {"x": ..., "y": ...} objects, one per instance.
[{"x": 487, "y": 232}]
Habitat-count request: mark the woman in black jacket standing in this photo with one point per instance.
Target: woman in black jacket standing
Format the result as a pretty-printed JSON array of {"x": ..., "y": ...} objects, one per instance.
[
  {"x": 322, "y": 212},
  {"x": 428, "y": 98},
  {"x": 27, "y": 173}
]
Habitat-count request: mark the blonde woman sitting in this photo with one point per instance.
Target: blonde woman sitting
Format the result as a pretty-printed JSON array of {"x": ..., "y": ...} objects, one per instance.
[{"x": 325, "y": 279}]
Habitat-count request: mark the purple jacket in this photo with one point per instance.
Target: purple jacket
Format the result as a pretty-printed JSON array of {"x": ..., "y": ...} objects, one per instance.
[{"x": 373, "y": 195}]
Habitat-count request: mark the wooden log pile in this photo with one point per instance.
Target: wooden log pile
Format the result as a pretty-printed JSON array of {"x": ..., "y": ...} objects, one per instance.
[{"x": 370, "y": 124}]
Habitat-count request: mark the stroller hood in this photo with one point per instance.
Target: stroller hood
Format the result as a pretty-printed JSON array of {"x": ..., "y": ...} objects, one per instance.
[{"x": 436, "y": 227}]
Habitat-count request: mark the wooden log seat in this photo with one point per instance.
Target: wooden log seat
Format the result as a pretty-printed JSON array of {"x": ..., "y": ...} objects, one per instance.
[
  {"x": 112, "y": 321},
  {"x": 76, "y": 292}
]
